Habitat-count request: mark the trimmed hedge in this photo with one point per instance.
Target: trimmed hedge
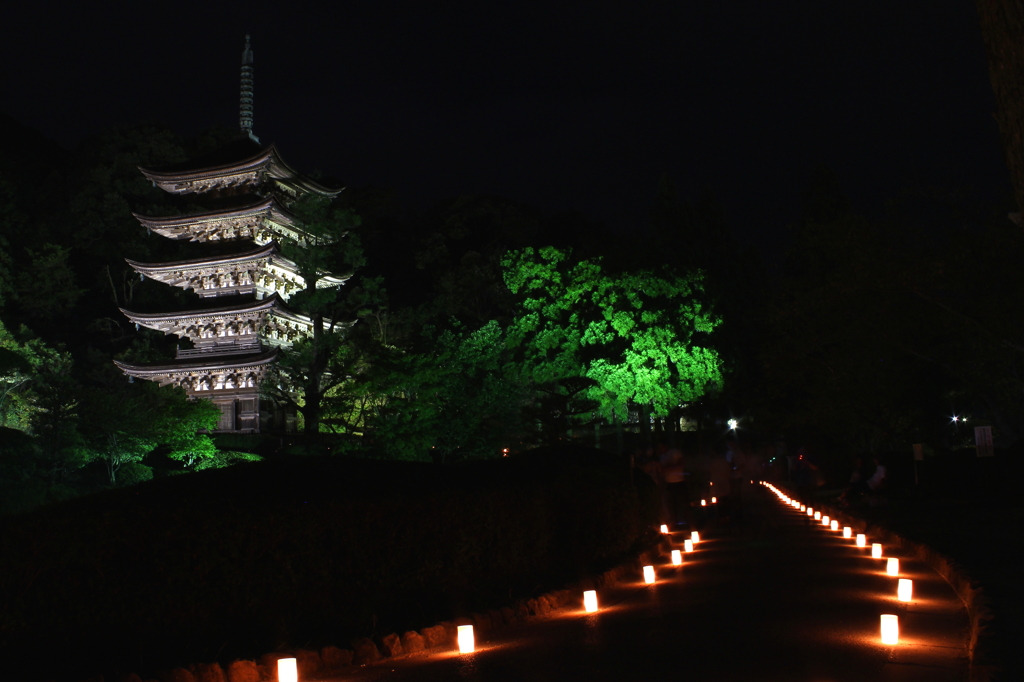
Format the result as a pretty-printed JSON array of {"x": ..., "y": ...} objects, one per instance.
[{"x": 244, "y": 560}]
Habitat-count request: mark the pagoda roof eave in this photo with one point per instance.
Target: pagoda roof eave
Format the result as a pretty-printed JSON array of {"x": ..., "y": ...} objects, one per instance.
[
  {"x": 269, "y": 157},
  {"x": 270, "y": 249},
  {"x": 278, "y": 211},
  {"x": 272, "y": 301},
  {"x": 142, "y": 371}
]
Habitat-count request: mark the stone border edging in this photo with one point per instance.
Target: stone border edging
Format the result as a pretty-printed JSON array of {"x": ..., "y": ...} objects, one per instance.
[
  {"x": 439, "y": 637},
  {"x": 983, "y": 667}
]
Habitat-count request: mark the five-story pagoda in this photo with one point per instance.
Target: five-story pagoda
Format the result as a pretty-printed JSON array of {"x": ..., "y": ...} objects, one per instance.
[{"x": 243, "y": 319}]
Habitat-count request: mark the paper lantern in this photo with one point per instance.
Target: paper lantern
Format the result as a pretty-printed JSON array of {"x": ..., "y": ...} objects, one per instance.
[
  {"x": 688, "y": 545},
  {"x": 803, "y": 507},
  {"x": 905, "y": 589},
  {"x": 817, "y": 516},
  {"x": 714, "y": 500},
  {"x": 810, "y": 511},
  {"x": 648, "y": 574},
  {"x": 876, "y": 551},
  {"x": 892, "y": 566},
  {"x": 890, "y": 629},
  {"x": 287, "y": 670},
  {"x": 695, "y": 536},
  {"x": 590, "y": 601},
  {"x": 834, "y": 525},
  {"x": 467, "y": 644},
  {"x": 847, "y": 532},
  {"x": 862, "y": 540},
  {"x": 703, "y": 503},
  {"x": 664, "y": 528},
  {"x": 677, "y": 557}
]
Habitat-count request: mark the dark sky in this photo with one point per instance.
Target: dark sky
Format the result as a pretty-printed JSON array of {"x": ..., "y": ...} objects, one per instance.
[{"x": 578, "y": 107}]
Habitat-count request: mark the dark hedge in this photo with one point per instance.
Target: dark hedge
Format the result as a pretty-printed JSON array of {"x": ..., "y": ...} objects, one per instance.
[{"x": 303, "y": 551}]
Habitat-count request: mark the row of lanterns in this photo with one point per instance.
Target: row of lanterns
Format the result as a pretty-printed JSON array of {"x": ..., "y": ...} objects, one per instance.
[{"x": 890, "y": 623}]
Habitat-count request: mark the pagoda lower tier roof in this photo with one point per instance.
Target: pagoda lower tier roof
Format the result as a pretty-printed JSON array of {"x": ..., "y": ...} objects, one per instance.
[
  {"x": 241, "y": 164},
  {"x": 189, "y": 365},
  {"x": 241, "y": 222},
  {"x": 262, "y": 270},
  {"x": 268, "y": 319}
]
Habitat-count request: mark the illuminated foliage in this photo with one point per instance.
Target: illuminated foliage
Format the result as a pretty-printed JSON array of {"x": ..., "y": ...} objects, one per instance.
[{"x": 641, "y": 336}]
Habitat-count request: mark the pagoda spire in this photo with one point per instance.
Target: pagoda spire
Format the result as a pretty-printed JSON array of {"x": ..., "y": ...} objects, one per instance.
[{"x": 245, "y": 110}]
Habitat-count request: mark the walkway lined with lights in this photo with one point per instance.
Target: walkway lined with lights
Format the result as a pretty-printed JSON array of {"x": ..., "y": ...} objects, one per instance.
[{"x": 775, "y": 595}]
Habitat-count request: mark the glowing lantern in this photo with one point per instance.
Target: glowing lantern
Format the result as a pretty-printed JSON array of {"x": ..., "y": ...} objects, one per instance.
[
  {"x": 862, "y": 540},
  {"x": 703, "y": 503},
  {"x": 876, "y": 551},
  {"x": 810, "y": 511},
  {"x": 664, "y": 528},
  {"x": 905, "y": 589},
  {"x": 677, "y": 557},
  {"x": 467, "y": 644},
  {"x": 892, "y": 567},
  {"x": 688, "y": 545},
  {"x": 803, "y": 507},
  {"x": 890, "y": 629},
  {"x": 287, "y": 670},
  {"x": 714, "y": 500},
  {"x": 847, "y": 532},
  {"x": 824, "y": 520},
  {"x": 649, "y": 574},
  {"x": 817, "y": 516},
  {"x": 590, "y": 601},
  {"x": 695, "y": 536},
  {"x": 834, "y": 525}
]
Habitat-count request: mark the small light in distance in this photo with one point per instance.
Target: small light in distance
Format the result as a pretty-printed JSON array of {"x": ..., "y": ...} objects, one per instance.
[
  {"x": 733, "y": 424},
  {"x": 287, "y": 670},
  {"x": 664, "y": 528},
  {"x": 467, "y": 643},
  {"x": 890, "y": 629}
]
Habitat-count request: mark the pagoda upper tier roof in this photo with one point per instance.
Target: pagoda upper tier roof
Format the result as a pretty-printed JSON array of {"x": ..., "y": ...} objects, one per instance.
[
  {"x": 263, "y": 271},
  {"x": 239, "y": 165},
  {"x": 255, "y": 220}
]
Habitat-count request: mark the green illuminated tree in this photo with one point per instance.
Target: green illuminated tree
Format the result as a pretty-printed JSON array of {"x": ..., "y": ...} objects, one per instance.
[{"x": 641, "y": 336}]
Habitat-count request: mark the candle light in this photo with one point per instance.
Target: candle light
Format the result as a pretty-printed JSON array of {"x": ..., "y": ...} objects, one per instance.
[
  {"x": 467, "y": 644},
  {"x": 714, "y": 500},
  {"x": 590, "y": 601},
  {"x": 688, "y": 545},
  {"x": 287, "y": 670},
  {"x": 847, "y": 532},
  {"x": 905, "y": 589},
  {"x": 862, "y": 540},
  {"x": 695, "y": 536},
  {"x": 876, "y": 551},
  {"x": 824, "y": 520},
  {"x": 803, "y": 507},
  {"x": 834, "y": 525},
  {"x": 817, "y": 516},
  {"x": 664, "y": 528},
  {"x": 890, "y": 629},
  {"x": 648, "y": 574},
  {"x": 892, "y": 566},
  {"x": 703, "y": 503},
  {"x": 677, "y": 557}
]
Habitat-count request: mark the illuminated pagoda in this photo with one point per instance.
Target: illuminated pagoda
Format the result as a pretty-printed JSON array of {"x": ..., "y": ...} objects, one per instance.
[{"x": 242, "y": 318}]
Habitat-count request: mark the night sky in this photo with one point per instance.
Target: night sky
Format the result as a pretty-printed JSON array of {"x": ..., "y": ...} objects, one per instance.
[{"x": 566, "y": 107}]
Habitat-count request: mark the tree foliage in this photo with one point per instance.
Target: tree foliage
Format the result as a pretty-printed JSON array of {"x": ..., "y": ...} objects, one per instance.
[{"x": 641, "y": 336}]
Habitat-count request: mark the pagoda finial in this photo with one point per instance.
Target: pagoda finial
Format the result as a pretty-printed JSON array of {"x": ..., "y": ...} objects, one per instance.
[{"x": 245, "y": 112}]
